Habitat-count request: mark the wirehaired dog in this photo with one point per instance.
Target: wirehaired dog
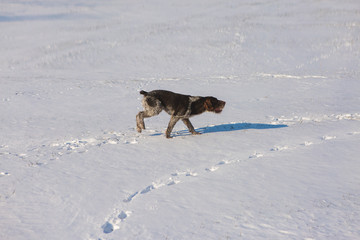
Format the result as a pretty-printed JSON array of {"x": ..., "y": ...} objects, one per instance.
[{"x": 178, "y": 106}]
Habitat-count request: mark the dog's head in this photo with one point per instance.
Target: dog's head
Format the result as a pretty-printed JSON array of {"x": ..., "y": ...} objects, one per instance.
[{"x": 212, "y": 104}]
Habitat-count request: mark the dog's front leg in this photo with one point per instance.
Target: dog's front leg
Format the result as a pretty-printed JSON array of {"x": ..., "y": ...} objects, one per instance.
[
  {"x": 190, "y": 126},
  {"x": 173, "y": 121}
]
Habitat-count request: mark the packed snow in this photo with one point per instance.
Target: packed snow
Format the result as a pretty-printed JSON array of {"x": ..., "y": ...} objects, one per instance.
[{"x": 280, "y": 162}]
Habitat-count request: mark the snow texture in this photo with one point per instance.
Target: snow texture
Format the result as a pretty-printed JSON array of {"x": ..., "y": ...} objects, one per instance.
[{"x": 280, "y": 162}]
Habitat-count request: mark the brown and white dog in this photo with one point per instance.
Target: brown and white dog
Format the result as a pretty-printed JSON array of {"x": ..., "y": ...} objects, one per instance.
[{"x": 177, "y": 105}]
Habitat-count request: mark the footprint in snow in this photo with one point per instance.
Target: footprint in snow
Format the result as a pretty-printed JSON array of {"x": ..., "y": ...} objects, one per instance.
[
  {"x": 107, "y": 228},
  {"x": 212, "y": 169},
  {"x": 122, "y": 215},
  {"x": 173, "y": 182},
  {"x": 130, "y": 197},
  {"x": 279, "y": 148},
  {"x": 216, "y": 167},
  {"x": 114, "y": 224},
  {"x": 147, "y": 189},
  {"x": 306, "y": 143},
  {"x": 326, "y": 138},
  {"x": 3, "y": 174},
  {"x": 152, "y": 187},
  {"x": 256, "y": 155},
  {"x": 191, "y": 174},
  {"x": 223, "y": 162},
  {"x": 188, "y": 173},
  {"x": 134, "y": 141},
  {"x": 354, "y": 133}
]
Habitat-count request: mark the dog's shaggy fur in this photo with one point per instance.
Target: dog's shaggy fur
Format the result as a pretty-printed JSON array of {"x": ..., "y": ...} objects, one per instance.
[{"x": 177, "y": 105}]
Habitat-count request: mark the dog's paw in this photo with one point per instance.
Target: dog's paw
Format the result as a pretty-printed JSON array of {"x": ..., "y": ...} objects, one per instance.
[{"x": 138, "y": 129}]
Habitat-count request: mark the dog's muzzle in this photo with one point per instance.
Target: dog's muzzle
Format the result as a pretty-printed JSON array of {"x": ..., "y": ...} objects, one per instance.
[{"x": 220, "y": 107}]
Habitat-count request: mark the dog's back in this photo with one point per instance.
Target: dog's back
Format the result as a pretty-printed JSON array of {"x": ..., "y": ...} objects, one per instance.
[{"x": 173, "y": 103}]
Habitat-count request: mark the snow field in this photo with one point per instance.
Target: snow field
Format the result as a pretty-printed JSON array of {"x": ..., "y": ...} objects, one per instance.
[{"x": 280, "y": 162}]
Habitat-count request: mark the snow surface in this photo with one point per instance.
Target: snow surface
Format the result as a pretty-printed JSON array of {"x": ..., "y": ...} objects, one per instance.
[{"x": 280, "y": 162}]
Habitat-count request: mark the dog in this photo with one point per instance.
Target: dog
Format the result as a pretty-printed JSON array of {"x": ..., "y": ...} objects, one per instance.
[{"x": 178, "y": 106}]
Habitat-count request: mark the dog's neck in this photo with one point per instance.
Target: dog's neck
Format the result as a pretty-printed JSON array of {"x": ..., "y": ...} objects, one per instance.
[
  {"x": 197, "y": 106},
  {"x": 189, "y": 110}
]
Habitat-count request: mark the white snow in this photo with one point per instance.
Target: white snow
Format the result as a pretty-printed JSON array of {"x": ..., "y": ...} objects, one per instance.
[{"x": 280, "y": 162}]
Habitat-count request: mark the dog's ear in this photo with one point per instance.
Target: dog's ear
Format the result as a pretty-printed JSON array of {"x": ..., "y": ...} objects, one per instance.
[{"x": 208, "y": 105}]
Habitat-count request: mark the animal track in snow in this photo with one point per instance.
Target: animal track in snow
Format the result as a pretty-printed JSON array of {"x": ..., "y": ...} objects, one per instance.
[
  {"x": 256, "y": 155},
  {"x": 108, "y": 227},
  {"x": 307, "y": 143},
  {"x": 212, "y": 169},
  {"x": 129, "y": 137},
  {"x": 173, "y": 182},
  {"x": 223, "y": 162},
  {"x": 182, "y": 176},
  {"x": 216, "y": 167},
  {"x": 147, "y": 189},
  {"x": 3, "y": 174},
  {"x": 114, "y": 223},
  {"x": 55, "y": 150},
  {"x": 326, "y": 138},
  {"x": 170, "y": 181},
  {"x": 128, "y": 199},
  {"x": 279, "y": 148},
  {"x": 354, "y": 133},
  {"x": 290, "y": 76},
  {"x": 315, "y": 118},
  {"x": 2, "y": 151},
  {"x": 348, "y": 116},
  {"x": 186, "y": 173}
]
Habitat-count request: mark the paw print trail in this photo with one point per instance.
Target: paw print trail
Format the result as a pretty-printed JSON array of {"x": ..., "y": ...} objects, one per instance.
[{"x": 114, "y": 221}]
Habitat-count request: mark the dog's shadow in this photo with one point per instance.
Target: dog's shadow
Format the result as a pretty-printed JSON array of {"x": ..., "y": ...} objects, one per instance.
[{"x": 229, "y": 127}]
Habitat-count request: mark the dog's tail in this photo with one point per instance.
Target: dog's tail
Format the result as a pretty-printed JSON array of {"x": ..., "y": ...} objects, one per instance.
[{"x": 143, "y": 93}]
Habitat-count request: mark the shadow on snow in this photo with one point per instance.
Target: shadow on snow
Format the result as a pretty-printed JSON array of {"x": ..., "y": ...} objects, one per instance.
[
  {"x": 238, "y": 126},
  {"x": 229, "y": 127}
]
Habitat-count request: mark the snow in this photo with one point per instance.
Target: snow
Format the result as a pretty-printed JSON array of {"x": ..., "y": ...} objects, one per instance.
[{"x": 280, "y": 162}]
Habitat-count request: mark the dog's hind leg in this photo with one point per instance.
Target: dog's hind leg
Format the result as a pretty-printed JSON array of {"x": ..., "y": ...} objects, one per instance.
[
  {"x": 152, "y": 107},
  {"x": 187, "y": 122},
  {"x": 140, "y": 125}
]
